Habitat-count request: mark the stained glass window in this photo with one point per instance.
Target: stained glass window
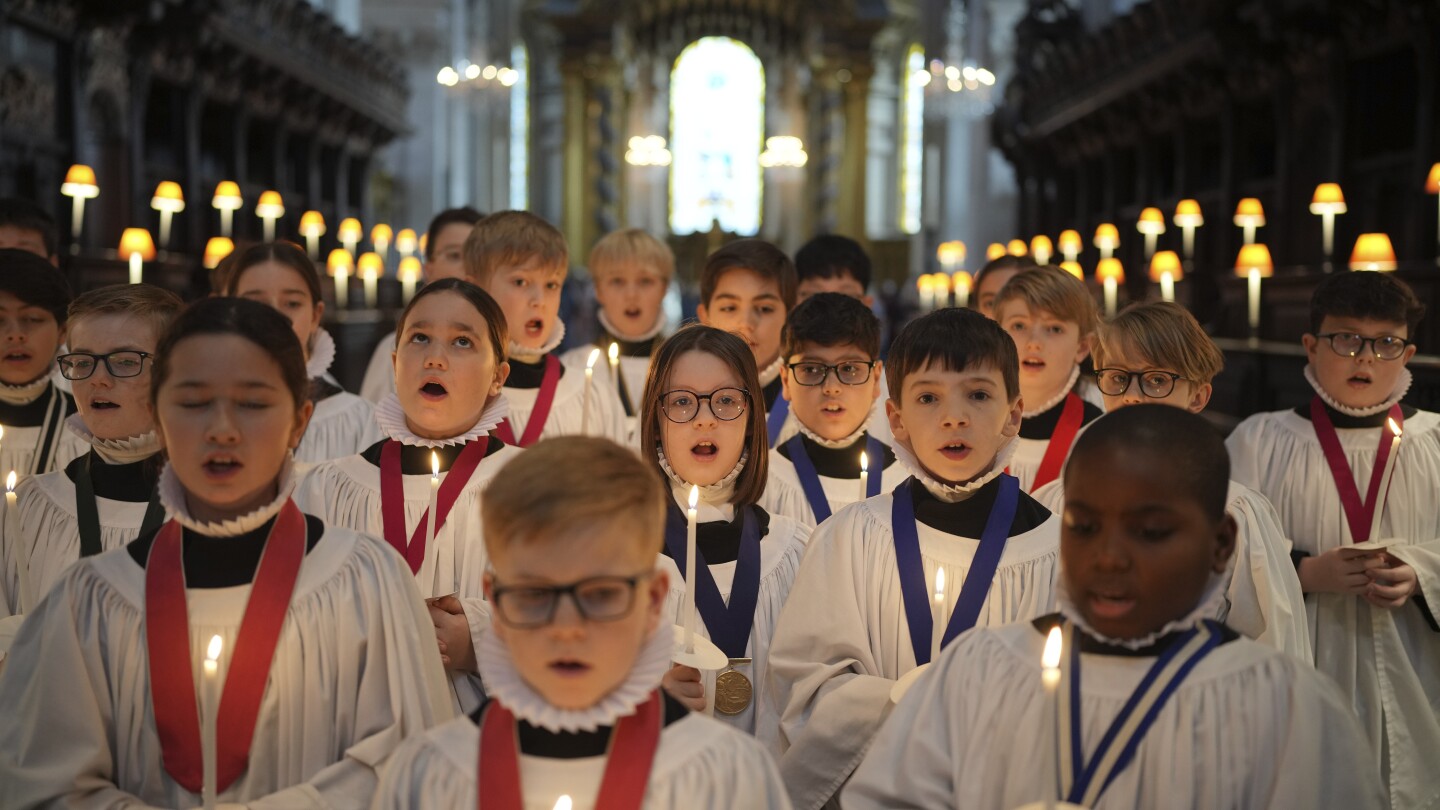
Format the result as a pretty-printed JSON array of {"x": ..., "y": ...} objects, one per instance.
[{"x": 717, "y": 123}]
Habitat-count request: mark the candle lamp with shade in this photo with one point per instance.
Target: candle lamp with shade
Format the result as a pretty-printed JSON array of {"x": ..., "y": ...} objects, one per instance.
[
  {"x": 1017, "y": 247},
  {"x": 1165, "y": 269},
  {"x": 1111, "y": 274},
  {"x": 312, "y": 227},
  {"x": 370, "y": 268},
  {"x": 1073, "y": 268},
  {"x": 381, "y": 236},
  {"x": 940, "y": 286},
  {"x": 1432, "y": 187},
  {"x": 1249, "y": 215},
  {"x": 409, "y": 274},
  {"x": 270, "y": 209},
  {"x": 1327, "y": 202},
  {"x": 216, "y": 249},
  {"x": 136, "y": 247},
  {"x": 1152, "y": 224},
  {"x": 1070, "y": 245},
  {"x": 994, "y": 251},
  {"x": 350, "y": 233},
  {"x": 1254, "y": 263},
  {"x": 1187, "y": 218},
  {"x": 961, "y": 282},
  {"x": 340, "y": 265},
  {"x": 1042, "y": 249},
  {"x": 406, "y": 242},
  {"x": 79, "y": 186},
  {"x": 1373, "y": 251},
  {"x": 1107, "y": 239},
  {"x": 169, "y": 200},
  {"x": 950, "y": 255},
  {"x": 925, "y": 292},
  {"x": 227, "y": 201}
]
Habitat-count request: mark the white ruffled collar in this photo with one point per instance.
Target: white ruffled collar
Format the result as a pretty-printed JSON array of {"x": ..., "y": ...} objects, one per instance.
[
  {"x": 25, "y": 393},
  {"x": 321, "y": 355},
  {"x": 391, "y": 419},
  {"x": 771, "y": 372},
  {"x": 714, "y": 498},
  {"x": 650, "y": 334},
  {"x": 1064, "y": 392},
  {"x": 173, "y": 498},
  {"x": 953, "y": 493},
  {"x": 839, "y": 444},
  {"x": 1207, "y": 608},
  {"x": 1402, "y": 387},
  {"x": 116, "y": 451},
  {"x": 504, "y": 683},
  {"x": 525, "y": 354}
]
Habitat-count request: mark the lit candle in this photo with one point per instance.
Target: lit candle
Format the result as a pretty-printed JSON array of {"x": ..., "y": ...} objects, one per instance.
[
  {"x": 864, "y": 476},
  {"x": 1112, "y": 293},
  {"x": 961, "y": 281},
  {"x": 589, "y": 384},
  {"x": 342, "y": 287},
  {"x": 135, "y": 267},
  {"x": 614, "y": 355},
  {"x": 1254, "y": 300},
  {"x": 927, "y": 295},
  {"x": 371, "y": 283},
  {"x": 1167, "y": 286},
  {"x": 434, "y": 500},
  {"x": 1050, "y": 677},
  {"x": 1385, "y": 480},
  {"x": 210, "y": 702},
  {"x": 691, "y": 520},
  {"x": 938, "y": 633},
  {"x": 22, "y": 551}
]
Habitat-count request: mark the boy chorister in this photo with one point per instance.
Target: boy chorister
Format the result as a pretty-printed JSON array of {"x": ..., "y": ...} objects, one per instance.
[
  {"x": 1372, "y": 608},
  {"x": 863, "y": 611},
  {"x": 521, "y": 260},
  {"x": 574, "y": 659},
  {"x": 1154, "y": 704}
]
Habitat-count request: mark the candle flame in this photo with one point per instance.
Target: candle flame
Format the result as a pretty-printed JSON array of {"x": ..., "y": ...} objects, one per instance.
[
  {"x": 1394, "y": 428},
  {"x": 594, "y": 355},
  {"x": 212, "y": 652},
  {"x": 864, "y": 462},
  {"x": 939, "y": 584},
  {"x": 694, "y": 496},
  {"x": 614, "y": 353},
  {"x": 10, "y": 482},
  {"x": 434, "y": 464},
  {"x": 1050, "y": 659},
  {"x": 563, "y": 803}
]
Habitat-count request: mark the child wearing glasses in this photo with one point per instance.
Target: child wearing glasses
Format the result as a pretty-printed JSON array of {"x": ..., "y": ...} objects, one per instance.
[
  {"x": 1367, "y": 554},
  {"x": 832, "y": 380},
  {"x": 573, "y": 660},
  {"x": 1051, "y": 318},
  {"x": 1156, "y": 353},
  {"x": 886, "y": 582},
  {"x": 107, "y": 496},
  {"x": 701, "y": 428}
]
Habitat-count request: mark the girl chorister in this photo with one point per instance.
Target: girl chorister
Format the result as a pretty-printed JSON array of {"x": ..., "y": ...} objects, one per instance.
[
  {"x": 326, "y": 658},
  {"x": 449, "y": 369},
  {"x": 281, "y": 275}
]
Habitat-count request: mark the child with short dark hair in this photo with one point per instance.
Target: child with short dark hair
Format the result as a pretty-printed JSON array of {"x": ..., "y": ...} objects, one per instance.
[
  {"x": 993, "y": 276},
  {"x": 862, "y": 612},
  {"x": 26, "y": 226},
  {"x": 1221, "y": 721},
  {"x": 833, "y": 263},
  {"x": 1367, "y": 553}
]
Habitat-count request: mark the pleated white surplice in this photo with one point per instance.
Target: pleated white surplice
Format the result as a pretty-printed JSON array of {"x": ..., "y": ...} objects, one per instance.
[
  {"x": 18, "y": 449},
  {"x": 342, "y": 425},
  {"x": 567, "y": 412},
  {"x": 786, "y": 496}
]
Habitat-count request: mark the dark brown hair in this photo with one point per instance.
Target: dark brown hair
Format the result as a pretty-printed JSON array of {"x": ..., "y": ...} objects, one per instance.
[
  {"x": 284, "y": 253},
  {"x": 757, "y": 256},
  {"x": 1366, "y": 294},
  {"x": 154, "y": 304},
  {"x": 495, "y": 328},
  {"x": 261, "y": 325},
  {"x": 464, "y": 215},
  {"x": 956, "y": 339},
  {"x": 831, "y": 319}
]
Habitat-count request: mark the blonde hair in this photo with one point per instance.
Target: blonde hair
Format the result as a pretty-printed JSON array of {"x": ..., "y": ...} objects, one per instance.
[
  {"x": 632, "y": 245},
  {"x": 510, "y": 238},
  {"x": 1165, "y": 334},
  {"x": 1054, "y": 291},
  {"x": 155, "y": 305},
  {"x": 562, "y": 484}
]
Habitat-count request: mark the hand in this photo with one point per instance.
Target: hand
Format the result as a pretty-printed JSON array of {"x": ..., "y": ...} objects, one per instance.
[
  {"x": 683, "y": 683},
  {"x": 452, "y": 631},
  {"x": 1339, "y": 570},
  {"x": 1391, "y": 586}
]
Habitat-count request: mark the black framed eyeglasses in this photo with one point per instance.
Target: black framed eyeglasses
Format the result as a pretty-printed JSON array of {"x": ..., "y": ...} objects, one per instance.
[
  {"x": 1114, "y": 382},
  {"x": 80, "y": 365},
  {"x": 681, "y": 406},
  {"x": 850, "y": 372},
  {"x": 1349, "y": 344},
  {"x": 597, "y": 599}
]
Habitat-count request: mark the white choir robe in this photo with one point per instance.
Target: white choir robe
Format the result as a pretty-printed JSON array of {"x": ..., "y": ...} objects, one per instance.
[
  {"x": 633, "y": 370},
  {"x": 785, "y": 495},
  {"x": 842, "y": 639},
  {"x": 699, "y": 765},
  {"x": 1249, "y": 728},
  {"x": 567, "y": 411},
  {"x": 17, "y": 449},
  {"x": 780, "y": 552},
  {"x": 355, "y": 672},
  {"x": 1388, "y": 661},
  {"x": 1025, "y": 463},
  {"x": 1262, "y": 593},
  {"x": 342, "y": 425},
  {"x": 379, "y": 378}
]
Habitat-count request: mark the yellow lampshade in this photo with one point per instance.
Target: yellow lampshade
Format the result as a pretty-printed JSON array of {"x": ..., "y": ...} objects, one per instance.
[
  {"x": 216, "y": 250},
  {"x": 960, "y": 281},
  {"x": 994, "y": 251},
  {"x": 950, "y": 253},
  {"x": 370, "y": 265},
  {"x": 924, "y": 284},
  {"x": 350, "y": 230},
  {"x": 339, "y": 258},
  {"x": 405, "y": 241},
  {"x": 381, "y": 234},
  {"x": 1328, "y": 199},
  {"x": 80, "y": 182},
  {"x": 1373, "y": 251},
  {"x": 1432, "y": 180},
  {"x": 1110, "y": 269},
  {"x": 1041, "y": 246},
  {"x": 168, "y": 197},
  {"x": 1152, "y": 221},
  {"x": 1017, "y": 247},
  {"x": 1165, "y": 261},
  {"x": 1188, "y": 215},
  {"x": 409, "y": 268},
  {"x": 1107, "y": 237},
  {"x": 1254, "y": 257},
  {"x": 1070, "y": 241},
  {"x": 1249, "y": 212},
  {"x": 137, "y": 241},
  {"x": 270, "y": 205},
  {"x": 1073, "y": 268},
  {"x": 227, "y": 196},
  {"x": 312, "y": 223}
]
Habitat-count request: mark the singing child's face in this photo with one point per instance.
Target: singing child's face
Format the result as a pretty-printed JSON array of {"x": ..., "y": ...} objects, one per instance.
[
  {"x": 447, "y": 255},
  {"x": 1137, "y": 550},
  {"x": 631, "y": 295},
  {"x": 1049, "y": 348},
  {"x": 832, "y": 409},
  {"x": 574, "y": 662},
  {"x": 31, "y": 337},
  {"x": 283, "y": 289},
  {"x": 529, "y": 295},
  {"x": 1121, "y": 357},
  {"x": 1362, "y": 380},
  {"x": 749, "y": 305},
  {"x": 990, "y": 283},
  {"x": 955, "y": 422},
  {"x": 227, "y": 426},
  {"x": 705, "y": 449},
  {"x": 114, "y": 407},
  {"x": 445, "y": 369}
]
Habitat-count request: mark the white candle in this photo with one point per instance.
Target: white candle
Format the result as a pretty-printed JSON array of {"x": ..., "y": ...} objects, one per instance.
[
  {"x": 1254, "y": 299},
  {"x": 227, "y": 222},
  {"x": 312, "y": 244},
  {"x": 135, "y": 262},
  {"x": 1327, "y": 220},
  {"x": 938, "y": 633},
  {"x": 589, "y": 384},
  {"x": 342, "y": 287},
  {"x": 1385, "y": 475},
  {"x": 614, "y": 354},
  {"x": 1050, "y": 740},
  {"x": 1249, "y": 228},
  {"x": 1167, "y": 286},
  {"x": 1189, "y": 240},
  {"x": 22, "y": 550},
  {"x": 371, "y": 291},
  {"x": 1111, "y": 292},
  {"x": 77, "y": 216},
  {"x": 165, "y": 228},
  {"x": 864, "y": 476},
  {"x": 691, "y": 520},
  {"x": 407, "y": 287},
  {"x": 1150, "y": 244},
  {"x": 269, "y": 228},
  {"x": 210, "y": 704},
  {"x": 434, "y": 500}
]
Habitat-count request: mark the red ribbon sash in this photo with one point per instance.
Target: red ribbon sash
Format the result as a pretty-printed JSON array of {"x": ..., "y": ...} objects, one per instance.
[
  {"x": 541, "y": 413},
  {"x": 627, "y": 766},
  {"x": 167, "y": 640},
  {"x": 1071, "y": 419},
  {"x": 1357, "y": 513},
  {"x": 392, "y": 498}
]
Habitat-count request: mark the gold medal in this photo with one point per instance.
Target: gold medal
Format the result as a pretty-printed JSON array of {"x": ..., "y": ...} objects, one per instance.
[{"x": 733, "y": 690}]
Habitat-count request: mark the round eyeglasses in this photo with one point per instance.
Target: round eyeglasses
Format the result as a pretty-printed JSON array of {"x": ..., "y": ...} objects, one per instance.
[
  {"x": 80, "y": 365},
  {"x": 1114, "y": 382},
  {"x": 597, "y": 599},
  {"x": 681, "y": 406},
  {"x": 849, "y": 373},
  {"x": 1349, "y": 344}
]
